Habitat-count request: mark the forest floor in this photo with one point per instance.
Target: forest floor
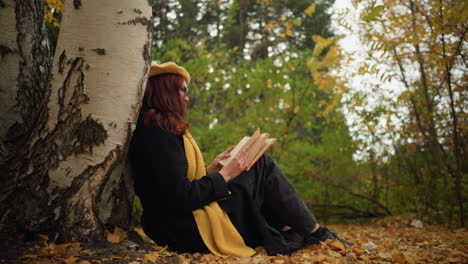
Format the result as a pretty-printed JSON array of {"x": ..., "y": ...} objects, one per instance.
[{"x": 390, "y": 240}]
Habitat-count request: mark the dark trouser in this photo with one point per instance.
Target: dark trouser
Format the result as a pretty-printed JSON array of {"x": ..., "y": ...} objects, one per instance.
[{"x": 277, "y": 199}]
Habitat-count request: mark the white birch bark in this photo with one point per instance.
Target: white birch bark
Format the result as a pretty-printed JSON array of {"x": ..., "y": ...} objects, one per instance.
[{"x": 68, "y": 177}]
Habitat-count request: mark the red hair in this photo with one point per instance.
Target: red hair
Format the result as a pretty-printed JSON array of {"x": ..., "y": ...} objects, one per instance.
[{"x": 163, "y": 105}]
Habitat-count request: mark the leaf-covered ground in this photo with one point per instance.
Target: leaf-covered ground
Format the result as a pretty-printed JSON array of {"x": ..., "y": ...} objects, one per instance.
[{"x": 391, "y": 240}]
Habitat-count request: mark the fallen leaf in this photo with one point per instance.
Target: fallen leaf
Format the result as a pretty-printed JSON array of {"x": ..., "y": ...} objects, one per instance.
[
  {"x": 43, "y": 237},
  {"x": 384, "y": 255},
  {"x": 88, "y": 252},
  {"x": 279, "y": 260},
  {"x": 143, "y": 235},
  {"x": 333, "y": 253},
  {"x": 337, "y": 245},
  {"x": 357, "y": 251},
  {"x": 317, "y": 258},
  {"x": 156, "y": 247},
  {"x": 30, "y": 256},
  {"x": 454, "y": 260},
  {"x": 398, "y": 257},
  {"x": 351, "y": 256},
  {"x": 73, "y": 250},
  {"x": 117, "y": 236},
  {"x": 70, "y": 260},
  {"x": 151, "y": 257}
]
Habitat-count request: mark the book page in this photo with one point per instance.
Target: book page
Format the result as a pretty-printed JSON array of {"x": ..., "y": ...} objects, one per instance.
[
  {"x": 265, "y": 146},
  {"x": 246, "y": 141},
  {"x": 236, "y": 150},
  {"x": 255, "y": 148}
]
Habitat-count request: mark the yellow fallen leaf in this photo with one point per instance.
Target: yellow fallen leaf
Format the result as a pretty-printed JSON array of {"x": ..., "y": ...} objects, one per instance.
[
  {"x": 157, "y": 247},
  {"x": 151, "y": 257},
  {"x": 384, "y": 255},
  {"x": 337, "y": 245},
  {"x": 88, "y": 252},
  {"x": 351, "y": 256},
  {"x": 73, "y": 249},
  {"x": 70, "y": 260},
  {"x": 54, "y": 250},
  {"x": 117, "y": 236},
  {"x": 43, "y": 237},
  {"x": 357, "y": 251},
  {"x": 143, "y": 235},
  {"x": 29, "y": 256},
  {"x": 317, "y": 258},
  {"x": 333, "y": 253}
]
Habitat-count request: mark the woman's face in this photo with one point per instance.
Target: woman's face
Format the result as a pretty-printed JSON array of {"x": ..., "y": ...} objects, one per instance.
[{"x": 184, "y": 92}]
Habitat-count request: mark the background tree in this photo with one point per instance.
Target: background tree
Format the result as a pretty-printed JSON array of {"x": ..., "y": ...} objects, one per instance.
[
  {"x": 66, "y": 117},
  {"x": 416, "y": 50}
]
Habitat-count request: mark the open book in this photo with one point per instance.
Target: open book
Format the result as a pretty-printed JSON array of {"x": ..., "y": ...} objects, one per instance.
[{"x": 259, "y": 143}]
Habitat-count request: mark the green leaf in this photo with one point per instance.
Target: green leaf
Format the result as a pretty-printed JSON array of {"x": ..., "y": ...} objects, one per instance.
[{"x": 297, "y": 22}]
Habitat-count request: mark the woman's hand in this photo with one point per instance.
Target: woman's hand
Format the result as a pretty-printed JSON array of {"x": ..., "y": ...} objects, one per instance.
[
  {"x": 236, "y": 166},
  {"x": 215, "y": 166}
]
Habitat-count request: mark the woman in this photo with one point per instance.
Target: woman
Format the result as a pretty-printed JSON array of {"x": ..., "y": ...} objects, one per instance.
[{"x": 225, "y": 210}]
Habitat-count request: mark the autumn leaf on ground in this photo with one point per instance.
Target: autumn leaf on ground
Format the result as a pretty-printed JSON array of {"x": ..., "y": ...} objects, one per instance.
[
  {"x": 117, "y": 236},
  {"x": 142, "y": 235},
  {"x": 61, "y": 250},
  {"x": 88, "y": 252},
  {"x": 337, "y": 245},
  {"x": 70, "y": 260},
  {"x": 151, "y": 257}
]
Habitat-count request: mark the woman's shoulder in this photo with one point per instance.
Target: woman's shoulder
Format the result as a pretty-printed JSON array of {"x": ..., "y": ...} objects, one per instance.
[{"x": 156, "y": 134}]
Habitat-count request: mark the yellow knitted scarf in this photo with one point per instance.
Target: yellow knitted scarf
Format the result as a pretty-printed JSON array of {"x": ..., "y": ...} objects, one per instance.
[{"x": 215, "y": 227}]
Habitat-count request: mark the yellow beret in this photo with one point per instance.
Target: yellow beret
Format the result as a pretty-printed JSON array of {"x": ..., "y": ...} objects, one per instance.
[{"x": 169, "y": 67}]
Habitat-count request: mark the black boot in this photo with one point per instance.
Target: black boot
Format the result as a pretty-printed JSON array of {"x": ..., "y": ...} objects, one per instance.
[{"x": 323, "y": 234}]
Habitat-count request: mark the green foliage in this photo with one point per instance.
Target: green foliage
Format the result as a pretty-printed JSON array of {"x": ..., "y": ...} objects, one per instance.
[
  {"x": 416, "y": 48},
  {"x": 137, "y": 211},
  {"x": 266, "y": 64},
  {"x": 286, "y": 92},
  {"x": 52, "y": 17}
]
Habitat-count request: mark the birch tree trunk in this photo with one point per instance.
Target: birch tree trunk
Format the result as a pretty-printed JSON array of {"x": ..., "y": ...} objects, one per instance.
[{"x": 66, "y": 175}]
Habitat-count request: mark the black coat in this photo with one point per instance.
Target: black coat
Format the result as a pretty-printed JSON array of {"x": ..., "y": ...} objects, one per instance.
[{"x": 168, "y": 198}]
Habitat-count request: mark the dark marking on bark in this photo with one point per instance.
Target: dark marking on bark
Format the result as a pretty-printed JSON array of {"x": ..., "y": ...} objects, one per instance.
[
  {"x": 138, "y": 20},
  {"x": 138, "y": 11},
  {"x": 99, "y": 51},
  {"x": 122, "y": 194},
  {"x": 85, "y": 99},
  {"x": 71, "y": 93},
  {"x": 15, "y": 132},
  {"x": 33, "y": 77},
  {"x": 146, "y": 52},
  {"x": 77, "y": 4},
  {"x": 62, "y": 59},
  {"x": 89, "y": 133},
  {"x": 119, "y": 12},
  {"x": 4, "y": 50},
  {"x": 87, "y": 67},
  {"x": 80, "y": 49}
]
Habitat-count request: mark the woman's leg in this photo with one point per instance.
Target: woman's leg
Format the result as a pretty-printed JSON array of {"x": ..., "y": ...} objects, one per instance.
[{"x": 278, "y": 199}]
